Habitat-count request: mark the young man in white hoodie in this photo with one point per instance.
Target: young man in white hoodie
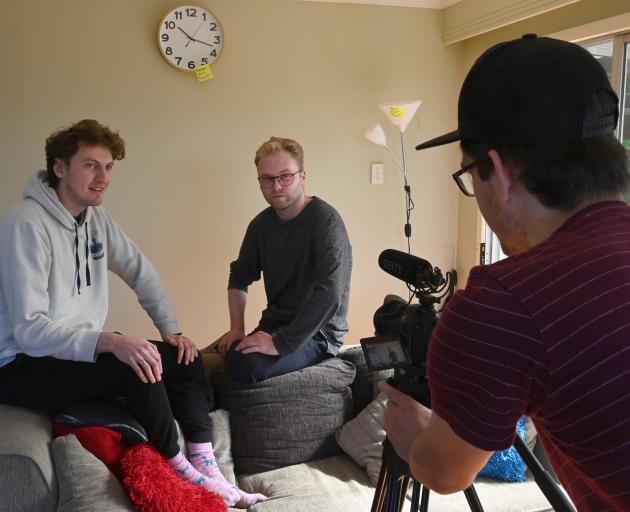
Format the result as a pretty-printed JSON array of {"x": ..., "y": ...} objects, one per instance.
[{"x": 56, "y": 247}]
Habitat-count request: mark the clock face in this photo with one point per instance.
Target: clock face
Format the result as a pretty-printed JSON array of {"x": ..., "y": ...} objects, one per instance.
[{"x": 190, "y": 36}]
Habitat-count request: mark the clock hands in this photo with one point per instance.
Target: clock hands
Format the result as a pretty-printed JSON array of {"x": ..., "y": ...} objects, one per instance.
[
  {"x": 203, "y": 42},
  {"x": 186, "y": 34},
  {"x": 191, "y": 38}
]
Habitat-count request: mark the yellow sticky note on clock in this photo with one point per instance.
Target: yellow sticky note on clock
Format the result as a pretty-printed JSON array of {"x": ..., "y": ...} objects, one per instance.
[{"x": 203, "y": 72}]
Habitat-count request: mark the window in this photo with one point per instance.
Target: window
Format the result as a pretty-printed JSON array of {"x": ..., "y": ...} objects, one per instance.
[{"x": 613, "y": 53}]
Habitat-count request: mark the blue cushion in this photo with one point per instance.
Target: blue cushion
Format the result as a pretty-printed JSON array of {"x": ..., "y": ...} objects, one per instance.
[{"x": 507, "y": 464}]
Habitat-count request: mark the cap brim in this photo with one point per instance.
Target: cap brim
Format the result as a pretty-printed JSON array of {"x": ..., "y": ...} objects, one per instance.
[{"x": 439, "y": 141}]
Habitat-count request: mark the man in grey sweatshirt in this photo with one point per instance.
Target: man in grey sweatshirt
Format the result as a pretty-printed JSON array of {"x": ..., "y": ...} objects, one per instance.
[
  {"x": 56, "y": 247},
  {"x": 301, "y": 247}
]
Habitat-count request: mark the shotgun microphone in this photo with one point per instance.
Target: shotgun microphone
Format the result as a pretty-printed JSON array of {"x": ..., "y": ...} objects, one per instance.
[{"x": 410, "y": 269}]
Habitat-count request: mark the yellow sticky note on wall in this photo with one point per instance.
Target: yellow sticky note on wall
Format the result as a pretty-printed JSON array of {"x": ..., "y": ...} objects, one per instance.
[{"x": 203, "y": 73}]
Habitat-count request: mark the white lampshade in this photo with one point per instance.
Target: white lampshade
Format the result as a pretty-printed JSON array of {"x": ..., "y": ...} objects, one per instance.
[
  {"x": 376, "y": 135},
  {"x": 400, "y": 113}
]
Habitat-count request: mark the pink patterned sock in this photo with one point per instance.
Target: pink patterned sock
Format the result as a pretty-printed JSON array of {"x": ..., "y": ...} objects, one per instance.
[
  {"x": 186, "y": 471},
  {"x": 203, "y": 459},
  {"x": 247, "y": 500}
]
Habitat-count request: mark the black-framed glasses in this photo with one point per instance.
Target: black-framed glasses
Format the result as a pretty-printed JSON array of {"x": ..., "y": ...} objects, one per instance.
[
  {"x": 463, "y": 178},
  {"x": 284, "y": 180}
]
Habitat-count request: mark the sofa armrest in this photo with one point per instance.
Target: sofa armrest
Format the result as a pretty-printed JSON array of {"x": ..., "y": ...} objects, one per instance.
[{"x": 27, "y": 476}]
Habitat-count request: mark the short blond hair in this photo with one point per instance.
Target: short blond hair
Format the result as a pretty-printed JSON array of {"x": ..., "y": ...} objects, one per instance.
[{"x": 278, "y": 144}]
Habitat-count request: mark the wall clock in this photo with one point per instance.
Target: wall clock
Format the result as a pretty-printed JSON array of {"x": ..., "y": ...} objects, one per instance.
[{"x": 190, "y": 36}]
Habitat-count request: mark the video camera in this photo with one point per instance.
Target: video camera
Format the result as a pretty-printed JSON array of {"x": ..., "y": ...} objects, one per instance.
[
  {"x": 402, "y": 329},
  {"x": 401, "y": 342}
]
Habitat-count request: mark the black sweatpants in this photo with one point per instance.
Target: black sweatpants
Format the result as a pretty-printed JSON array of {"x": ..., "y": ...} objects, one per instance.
[{"x": 51, "y": 384}]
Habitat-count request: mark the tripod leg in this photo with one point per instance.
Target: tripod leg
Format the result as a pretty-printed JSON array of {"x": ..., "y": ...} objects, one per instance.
[
  {"x": 404, "y": 487},
  {"x": 473, "y": 499},
  {"x": 424, "y": 501},
  {"x": 415, "y": 496},
  {"x": 381, "y": 490},
  {"x": 545, "y": 481},
  {"x": 390, "y": 495}
]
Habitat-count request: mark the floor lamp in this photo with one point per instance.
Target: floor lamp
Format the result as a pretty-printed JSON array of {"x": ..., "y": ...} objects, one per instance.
[{"x": 400, "y": 114}]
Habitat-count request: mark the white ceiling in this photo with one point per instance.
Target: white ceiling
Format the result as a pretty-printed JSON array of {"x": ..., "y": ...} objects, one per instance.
[{"x": 430, "y": 4}]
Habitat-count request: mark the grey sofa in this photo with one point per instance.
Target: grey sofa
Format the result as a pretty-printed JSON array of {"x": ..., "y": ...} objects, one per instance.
[{"x": 38, "y": 473}]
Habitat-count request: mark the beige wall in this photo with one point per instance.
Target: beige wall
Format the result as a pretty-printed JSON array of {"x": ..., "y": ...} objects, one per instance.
[{"x": 186, "y": 190}]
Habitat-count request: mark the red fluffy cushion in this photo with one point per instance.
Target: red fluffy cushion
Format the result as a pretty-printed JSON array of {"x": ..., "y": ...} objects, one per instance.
[{"x": 154, "y": 486}]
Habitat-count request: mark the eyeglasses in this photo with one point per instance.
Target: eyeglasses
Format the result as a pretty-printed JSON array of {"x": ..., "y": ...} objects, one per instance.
[
  {"x": 284, "y": 179},
  {"x": 463, "y": 178}
]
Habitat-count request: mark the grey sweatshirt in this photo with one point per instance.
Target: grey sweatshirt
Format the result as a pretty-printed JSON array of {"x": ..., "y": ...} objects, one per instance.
[
  {"x": 46, "y": 305},
  {"x": 306, "y": 264}
]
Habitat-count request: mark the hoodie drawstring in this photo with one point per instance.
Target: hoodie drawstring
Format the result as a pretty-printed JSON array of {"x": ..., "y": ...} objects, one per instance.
[
  {"x": 76, "y": 257},
  {"x": 87, "y": 259}
]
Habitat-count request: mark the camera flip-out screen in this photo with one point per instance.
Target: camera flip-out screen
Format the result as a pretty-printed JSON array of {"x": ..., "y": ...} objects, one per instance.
[{"x": 382, "y": 353}]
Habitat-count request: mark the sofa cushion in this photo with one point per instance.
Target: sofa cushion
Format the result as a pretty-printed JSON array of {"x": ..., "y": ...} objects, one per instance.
[
  {"x": 287, "y": 419},
  {"x": 333, "y": 484},
  {"x": 85, "y": 483},
  {"x": 336, "y": 484},
  {"x": 27, "y": 475}
]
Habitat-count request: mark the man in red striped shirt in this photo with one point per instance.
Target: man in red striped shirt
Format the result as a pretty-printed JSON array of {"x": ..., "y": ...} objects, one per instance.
[{"x": 546, "y": 331}]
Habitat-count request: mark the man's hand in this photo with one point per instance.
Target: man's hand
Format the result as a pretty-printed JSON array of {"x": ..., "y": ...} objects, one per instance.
[
  {"x": 405, "y": 419},
  {"x": 186, "y": 349},
  {"x": 142, "y": 355},
  {"x": 226, "y": 341},
  {"x": 260, "y": 341}
]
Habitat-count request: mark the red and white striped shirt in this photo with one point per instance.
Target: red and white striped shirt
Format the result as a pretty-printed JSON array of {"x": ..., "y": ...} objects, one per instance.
[{"x": 547, "y": 333}]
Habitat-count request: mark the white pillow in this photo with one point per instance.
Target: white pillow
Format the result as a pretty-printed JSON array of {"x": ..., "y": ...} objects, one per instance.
[{"x": 362, "y": 437}]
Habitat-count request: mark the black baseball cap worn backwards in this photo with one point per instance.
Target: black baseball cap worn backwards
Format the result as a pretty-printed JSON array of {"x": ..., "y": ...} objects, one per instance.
[{"x": 533, "y": 90}]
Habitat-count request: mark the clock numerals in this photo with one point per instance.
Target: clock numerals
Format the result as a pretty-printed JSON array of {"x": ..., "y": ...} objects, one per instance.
[
  {"x": 189, "y": 37},
  {"x": 190, "y": 12}
]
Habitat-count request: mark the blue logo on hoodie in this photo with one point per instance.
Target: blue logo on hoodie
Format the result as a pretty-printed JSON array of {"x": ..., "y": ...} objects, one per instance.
[{"x": 96, "y": 246}]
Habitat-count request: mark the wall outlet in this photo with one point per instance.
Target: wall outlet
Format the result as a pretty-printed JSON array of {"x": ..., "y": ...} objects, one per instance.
[{"x": 377, "y": 173}]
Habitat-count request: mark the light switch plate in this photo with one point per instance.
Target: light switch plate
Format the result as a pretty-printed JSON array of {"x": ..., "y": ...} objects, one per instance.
[{"x": 377, "y": 173}]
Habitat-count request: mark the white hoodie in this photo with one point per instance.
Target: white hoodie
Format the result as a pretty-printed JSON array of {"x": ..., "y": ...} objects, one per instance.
[{"x": 43, "y": 310}]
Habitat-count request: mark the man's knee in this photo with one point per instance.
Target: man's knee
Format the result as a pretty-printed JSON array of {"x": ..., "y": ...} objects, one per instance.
[{"x": 244, "y": 367}]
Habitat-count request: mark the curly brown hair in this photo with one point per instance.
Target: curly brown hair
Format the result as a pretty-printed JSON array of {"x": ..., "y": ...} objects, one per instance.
[
  {"x": 277, "y": 144},
  {"x": 65, "y": 142}
]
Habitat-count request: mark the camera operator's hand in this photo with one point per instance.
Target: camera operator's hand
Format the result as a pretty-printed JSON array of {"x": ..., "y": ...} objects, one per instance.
[
  {"x": 260, "y": 341},
  {"x": 405, "y": 419}
]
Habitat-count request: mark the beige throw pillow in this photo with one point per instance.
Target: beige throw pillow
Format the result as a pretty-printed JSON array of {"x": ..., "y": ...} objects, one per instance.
[{"x": 362, "y": 437}]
